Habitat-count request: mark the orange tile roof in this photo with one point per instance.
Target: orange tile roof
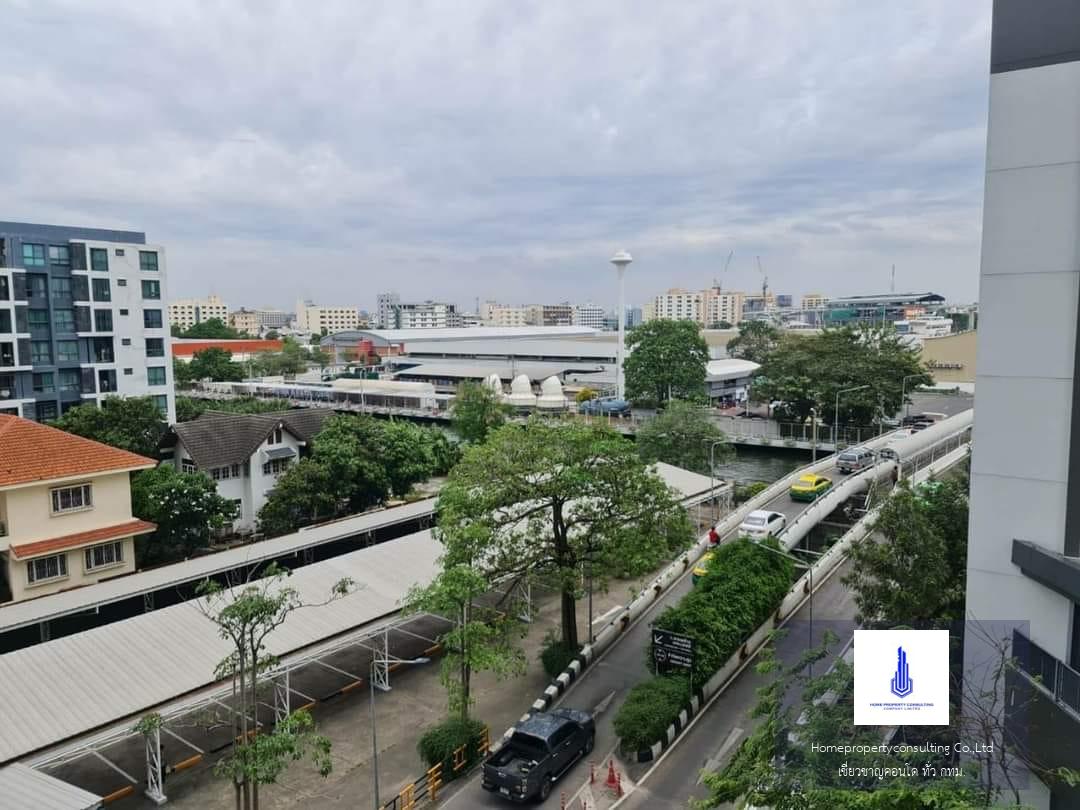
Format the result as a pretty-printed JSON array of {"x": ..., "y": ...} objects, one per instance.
[
  {"x": 31, "y": 452},
  {"x": 69, "y": 541},
  {"x": 187, "y": 348}
]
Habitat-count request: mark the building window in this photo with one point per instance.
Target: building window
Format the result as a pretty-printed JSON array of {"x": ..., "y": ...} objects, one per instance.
[
  {"x": 121, "y": 282},
  {"x": 104, "y": 556},
  {"x": 147, "y": 260},
  {"x": 61, "y": 288},
  {"x": 71, "y": 499},
  {"x": 37, "y": 286},
  {"x": 5, "y": 321},
  {"x": 70, "y": 380},
  {"x": 40, "y": 352},
  {"x": 103, "y": 320},
  {"x": 151, "y": 289},
  {"x": 235, "y": 470},
  {"x": 33, "y": 255},
  {"x": 7, "y": 354},
  {"x": 276, "y": 437},
  {"x": 123, "y": 312},
  {"x": 59, "y": 255},
  {"x": 43, "y": 383},
  {"x": 128, "y": 372},
  {"x": 155, "y": 347},
  {"x": 64, "y": 320},
  {"x": 5, "y": 289},
  {"x": 152, "y": 318},
  {"x": 107, "y": 381},
  {"x": 101, "y": 289},
  {"x": 46, "y": 568},
  {"x": 119, "y": 251},
  {"x": 275, "y": 466},
  {"x": 155, "y": 375},
  {"x": 125, "y": 341},
  {"x": 162, "y": 403},
  {"x": 99, "y": 260},
  {"x": 188, "y": 466},
  {"x": 45, "y": 411},
  {"x": 67, "y": 351}
]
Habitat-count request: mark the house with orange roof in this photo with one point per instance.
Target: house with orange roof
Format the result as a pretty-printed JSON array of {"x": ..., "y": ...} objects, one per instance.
[{"x": 65, "y": 509}]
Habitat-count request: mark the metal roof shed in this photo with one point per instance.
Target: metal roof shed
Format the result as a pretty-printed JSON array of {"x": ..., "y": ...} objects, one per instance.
[{"x": 22, "y": 787}]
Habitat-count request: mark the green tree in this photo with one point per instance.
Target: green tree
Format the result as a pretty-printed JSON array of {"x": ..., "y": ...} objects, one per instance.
[
  {"x": 182, "y": 376},
  {"x": 215, "y": 364},
  {"x": 542, "y": 499},
  {"x": 130, "y": 423},
  {"x": 476, "y": 411},
  {"x": 684, "y": 435},
  {"x": 245, "y": 617},
  {"x": 273, "y": 334},
  {"x": 305, "y": 493},
  {"x": 186, "y": 508},
  {"x": 584, "y": 395},
  {"x": 755, "y": 342},
  {"x": 667, "y": 360},
  {"x": 720, "y": 325},
  {"x": 292, "y": 359},
  {"x": 211, "y": 329}
]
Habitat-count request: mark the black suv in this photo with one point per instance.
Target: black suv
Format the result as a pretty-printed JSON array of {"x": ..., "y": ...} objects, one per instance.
[{"x": 541, "y": 749}]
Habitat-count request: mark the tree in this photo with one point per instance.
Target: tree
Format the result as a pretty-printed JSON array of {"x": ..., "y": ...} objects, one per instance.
[
  {"x": 210, "y": 329},
  {"x": 130, "y": 423},
  {"x": 807, "y": 371},
  {"x": 683, "y": 435},
  {"x": 186, "y": 508},
  {"x": 182, "y": 376},
  {"x": 584, "y": 395},
  {"x": 543, "y": 499},
  {"x": 720, "y": 325},
  {"x": 476, "y": 411},
  {"x": 667, "y": 361},
  {"x": 305, "y": 493},
  {"x": 292, "y": 359},
  {"x": 755, "y": 342},
  {"x": 245, "y": 618},
  {"x": 215, "y": 364},
  {"x": 272, "y": 334}
]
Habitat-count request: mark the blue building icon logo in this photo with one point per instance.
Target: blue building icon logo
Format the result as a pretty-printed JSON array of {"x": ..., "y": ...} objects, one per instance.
[{"x": 901, "y": 685}]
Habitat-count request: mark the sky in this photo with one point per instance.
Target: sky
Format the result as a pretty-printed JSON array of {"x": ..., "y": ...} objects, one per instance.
[{"x": 504, "y": 150}]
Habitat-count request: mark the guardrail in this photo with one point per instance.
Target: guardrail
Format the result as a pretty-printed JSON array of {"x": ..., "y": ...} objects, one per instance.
[{"x": 426, "y": 789}]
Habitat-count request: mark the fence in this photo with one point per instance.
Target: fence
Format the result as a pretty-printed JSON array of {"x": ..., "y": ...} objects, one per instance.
[
  {"x": 1056, "y": 677},
  {"x": 425, "y": 790}
]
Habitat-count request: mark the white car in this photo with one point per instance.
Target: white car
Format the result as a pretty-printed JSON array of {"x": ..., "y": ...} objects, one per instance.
[{"x": 760, "y": 523}]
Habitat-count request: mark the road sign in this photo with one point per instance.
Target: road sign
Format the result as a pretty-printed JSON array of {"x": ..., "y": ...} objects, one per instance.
[{"x": 672, "y": 650}]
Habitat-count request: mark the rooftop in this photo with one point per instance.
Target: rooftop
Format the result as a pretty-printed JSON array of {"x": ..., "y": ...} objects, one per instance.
[
  {"x": 186, "y": 347},
  {"x": 65, "y": 232},
  {"x": 219, "y": 438},
  {"x": 729, "y": 369},
  {"x": 30, "y": 452},
  {"x": 921, "y": 298},
  {"x": 383, "y": 337},
  {"x": 80, "y": 539},
  {"x": 22, "y": 787}
]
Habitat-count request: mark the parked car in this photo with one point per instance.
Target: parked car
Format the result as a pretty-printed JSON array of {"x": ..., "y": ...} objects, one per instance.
[
  {"x": 855, "y": 459},
  {"x": 541, "y": 749},
  {"x": 701, "y": 569},
  {"x": 605, "y": 407},
  {"x": 761, "y": 523},
  {"x": 810, "y": 487}
]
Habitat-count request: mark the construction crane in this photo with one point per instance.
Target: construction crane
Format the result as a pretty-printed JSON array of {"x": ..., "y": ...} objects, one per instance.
[
  {"x": 764, "y": 282},
  {"x": 719, "y": 284}
]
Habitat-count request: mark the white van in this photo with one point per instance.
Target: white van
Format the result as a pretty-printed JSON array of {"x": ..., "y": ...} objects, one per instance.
[{"x": 854, "y": 459}]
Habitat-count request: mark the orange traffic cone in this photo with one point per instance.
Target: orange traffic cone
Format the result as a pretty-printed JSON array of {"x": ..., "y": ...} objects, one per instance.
[
  {"x": 612, "y": 777},
  {"x": 618, "y": 784}
]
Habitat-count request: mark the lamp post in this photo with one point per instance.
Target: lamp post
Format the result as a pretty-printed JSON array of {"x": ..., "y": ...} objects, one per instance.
[
  {"x": 903, "y": 393},
  {"x": 374, "y": 744},
  {"x": 712, "y": 475},
  {"x": 836, "y": 412},
  {"x": 813, "y": 435},
  {"x": 621, "y": 260}
]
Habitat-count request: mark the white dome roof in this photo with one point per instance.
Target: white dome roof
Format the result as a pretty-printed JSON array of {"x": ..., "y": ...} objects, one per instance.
[
  {"x": 551, "y": 386},
  {"x": 521, "y": 393},
  {"x": 493, "y": 382},
  {"x": 551, "y": 394},
  {"x": 521, "y": 385}
]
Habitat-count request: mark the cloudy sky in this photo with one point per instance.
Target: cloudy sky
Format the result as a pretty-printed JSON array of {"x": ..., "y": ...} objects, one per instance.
[{"x": 505, "y": 148}]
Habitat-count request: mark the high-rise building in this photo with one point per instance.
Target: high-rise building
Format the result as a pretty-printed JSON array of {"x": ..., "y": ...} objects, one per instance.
[
  {"x": 186, "y": 312},
  {"x": 1023, "y": 562},
  {"x": 82, "y": 316},
  {"x": 386, "y": 310},
  {"x": 721, "y": 306},
  {"x": 706, "y": 307},
  {"x": 317, "y": 319},
  {"x": 272, "y": 318},
  {"x": 589, "y": 315},
  {"x": 427, "y": 315}
]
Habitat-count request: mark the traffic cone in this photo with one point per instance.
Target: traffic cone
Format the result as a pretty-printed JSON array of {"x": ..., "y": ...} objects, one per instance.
[
  {"x": 562, "y": 802},
  {"x": 612, "y": 777},
  {"x": 592, "y": 773},
  {"x": 618, "y": 784}
]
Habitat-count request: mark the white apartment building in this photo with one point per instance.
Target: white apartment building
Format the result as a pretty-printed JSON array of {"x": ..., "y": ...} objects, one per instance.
[
  {"x": 500, "y": 315},
  {"x": 386, "y": 310},
  {"x": 814, "y": 301},
  {"x": 720, "y": 306},
  {"x": 311, "y": 317},
  {"x": 678, "y": 305},
  {"x": 428, "y": 315},
  {"x": 589, "y": 315},
  {"x": 186, "y": 312},
  {"x": 245, "y": 321}
]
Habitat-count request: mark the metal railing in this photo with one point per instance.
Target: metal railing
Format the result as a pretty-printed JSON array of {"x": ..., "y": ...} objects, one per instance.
[
  {"x": 1056, "y": 677},
  {"x": 426, "y": 789}
]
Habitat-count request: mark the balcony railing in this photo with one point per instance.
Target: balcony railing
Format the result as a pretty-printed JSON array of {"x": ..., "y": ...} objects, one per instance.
[{"x": 1056, "y": 677}]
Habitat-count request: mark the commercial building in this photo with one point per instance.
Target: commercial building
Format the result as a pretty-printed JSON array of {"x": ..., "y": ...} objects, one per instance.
[
  {"x": 880, "y": 309},
  {"x": 503, "y": 316},
  {"x": 427, "y": 315},
  {"x": 706, "y": 307},
  {"x": 1023, "y": 563},
  {"x": 951, "y": 359},
  {"x": 245, "y": 321},
  {"x": 82, "y": 316},
  {"x": 392, "y": 342},
  {"x": 187, "y": 312},
  {"x": 319, "y": 320},
  {"x": 242, "y": 350},
  {"x": 728, "y": 381},
  {"x": 588, "y": 315},
  {"x": 65, "y": 509},
  {"x": 678, "y": 305},
  {"x": 385, "y": 306}
]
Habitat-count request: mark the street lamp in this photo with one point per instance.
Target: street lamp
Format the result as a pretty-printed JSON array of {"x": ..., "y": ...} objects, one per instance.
[
  {"x": 836, "y": 412},
  {"x": 374, "y": 744},
  {"x": 903, "y": 393},
  {"x": 712, "y": 475},
  {"x": 813, "y": 435},
  {"x": 621, "y": 260}
]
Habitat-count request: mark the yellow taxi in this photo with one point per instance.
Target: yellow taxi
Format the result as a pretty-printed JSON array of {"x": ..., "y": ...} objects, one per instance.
[
  {"x": 810, "y": 487},
  {"x": 701, "y": 568}
]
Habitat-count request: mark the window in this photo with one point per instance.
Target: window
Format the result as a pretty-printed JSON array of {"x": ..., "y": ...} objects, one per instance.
[
  {"x": 40, "y": 352},
  {"x": 70, "y": 380},
  {"x": 155, "y": 375},
  {"x": 187, "y": 465},
  {"x": 119, "y": 251},
  {"x": 147, "y": 260},
  {"x": 33, "y": 255},
  {"x": 45, "y": 411},
  {"x": 99, "y": 260},
  {"x": 64, "y": 320},
  {"x": 225, "y": 473},
  {"x": 37, "y": 286},
  {"x": 125, "y": 341},
  {"x": 104, "y": 555},
  {"x": 71, "y": 499},
  {"x": 101, "y": 290},
  {"x": 67, "y": 351},
  {"x": 43, "y": 383},
  {"x": 61, "y": 288},
  {"x": 103, "y": 320},
  {"x": 45, "y": 568},
  {"x": 124, "y": 312},
  {"x": 275, "y": 437},
  {"x": 128, "y": 372},
  {"x": 162, "y": 403},
  {"x": 59, "y": 255},
  {"x": 121, "y": 282},
  {"x": 155, "y": 347},
  {"x": 5, "y": 320},
  {"x": 7, "y": 386},
  {"x": 107, "y": 381},
  {"x": 275, "y": 466},
  {"x": 151, "y": 289},
  {"x": 152, "y": 318},
  {"x": 7, "y": 354},
  {"x": 235, "y": 470},
  {"x": 38, "y": 318},
  {"x": 5, "y": 289}
]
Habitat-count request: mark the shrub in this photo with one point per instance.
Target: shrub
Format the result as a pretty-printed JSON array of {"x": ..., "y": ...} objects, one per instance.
[
  {"x": 584, "y": 395},
  {"x": 649, "y": 709},
  {"x": 744, "y": 492},
  {"x": 554, "y": 655},
  {"x": 439, "y": 743}
]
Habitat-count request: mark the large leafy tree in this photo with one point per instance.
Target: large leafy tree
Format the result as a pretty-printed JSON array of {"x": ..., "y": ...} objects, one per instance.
[
  {"x": 185, "y": 507},
  {"x": 542, "y": 499},
  {"x": 667, "y": 360},
  {"x": 211, "y": 329},
  {"x": 755, "y": 342},
  {"x": 476, "y": 411},
  {"x": 214, "y": 364},
  {"x": 293, "y": 358},
  {"x": 808, "y": 371},
  {"x": 307, "y": 492},
  {"x": 130, "y": 423},
  {"x": 683, "y": 434}
]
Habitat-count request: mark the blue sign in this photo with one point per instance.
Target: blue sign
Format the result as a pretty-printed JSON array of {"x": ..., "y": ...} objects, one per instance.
[{"x": 901, "y": 685}]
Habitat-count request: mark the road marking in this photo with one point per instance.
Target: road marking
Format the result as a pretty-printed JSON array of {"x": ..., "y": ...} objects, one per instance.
[
  {"x": 714, "y": 762},
  {"x": 602, "y": 706},
  {"x": 601, "y": 774},
  {"x": 612, "y": 612}
]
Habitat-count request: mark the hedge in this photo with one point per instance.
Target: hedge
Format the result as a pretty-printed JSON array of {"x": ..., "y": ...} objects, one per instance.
[
  {"x": 439, "y": 743},
  {"x": 741, "y": 589},
  {"x": 649, "y": 709},
  {"x": 556, "y": 656}
]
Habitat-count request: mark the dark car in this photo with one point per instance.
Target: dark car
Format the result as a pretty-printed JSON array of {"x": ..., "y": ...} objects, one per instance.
[
  {"x": 541, "y": 749},
  {"x": 605, "y": 407}
]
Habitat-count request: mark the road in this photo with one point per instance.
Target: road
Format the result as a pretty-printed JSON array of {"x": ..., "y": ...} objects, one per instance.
[{"x": 717, "y": 732}]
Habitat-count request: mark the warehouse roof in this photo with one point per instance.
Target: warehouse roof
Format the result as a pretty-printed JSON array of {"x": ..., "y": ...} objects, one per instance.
[
  {"x": 22, "y": 787},
  {"x": 479, "y": 371},
  {"x": 384, "y": 337}
]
